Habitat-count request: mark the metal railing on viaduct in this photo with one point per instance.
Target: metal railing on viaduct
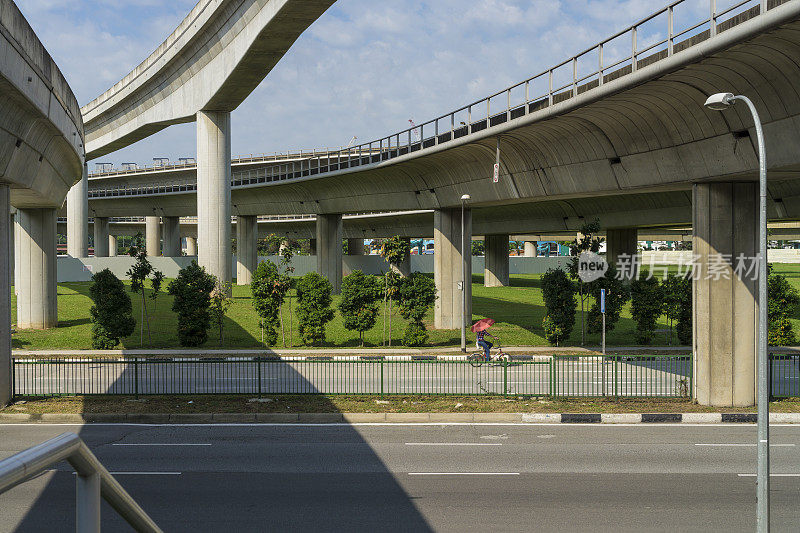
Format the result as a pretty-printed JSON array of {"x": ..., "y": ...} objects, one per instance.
[{"x": 620, "y": 55}]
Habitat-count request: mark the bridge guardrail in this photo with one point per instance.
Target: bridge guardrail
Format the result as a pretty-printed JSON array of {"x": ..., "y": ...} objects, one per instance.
[
  {"x": 93, "y": 481},
  {"x": 559, "y": 83}
]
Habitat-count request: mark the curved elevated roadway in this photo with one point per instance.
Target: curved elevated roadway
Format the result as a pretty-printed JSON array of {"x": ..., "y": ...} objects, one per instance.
[{"x": 41, "y": 157}]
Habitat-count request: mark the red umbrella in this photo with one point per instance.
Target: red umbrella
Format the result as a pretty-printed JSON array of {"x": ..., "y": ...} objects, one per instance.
[{"x": 482, "y": 324}]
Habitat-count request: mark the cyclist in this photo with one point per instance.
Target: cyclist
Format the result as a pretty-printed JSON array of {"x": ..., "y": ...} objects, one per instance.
[{"x": 483, "y": 343}]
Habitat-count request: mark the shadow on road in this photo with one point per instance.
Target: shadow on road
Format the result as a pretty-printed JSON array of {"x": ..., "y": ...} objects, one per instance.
[{"x": 273, "y": 481}]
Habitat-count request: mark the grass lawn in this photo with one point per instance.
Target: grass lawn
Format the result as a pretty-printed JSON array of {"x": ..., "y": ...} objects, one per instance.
[
  {"x": 518, "y": 310},
  {"x": 370, "y": 404}
]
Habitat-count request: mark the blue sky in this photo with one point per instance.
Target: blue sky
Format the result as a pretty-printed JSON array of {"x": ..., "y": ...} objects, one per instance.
[{"x": 364, "y": 68}]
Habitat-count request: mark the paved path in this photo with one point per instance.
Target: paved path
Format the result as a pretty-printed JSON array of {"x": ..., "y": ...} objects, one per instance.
[
  {"x": 568, "y": 377},
  {"x": 403, "y": 477}
]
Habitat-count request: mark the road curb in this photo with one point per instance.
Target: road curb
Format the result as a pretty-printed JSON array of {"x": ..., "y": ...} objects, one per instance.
[{"x": 395, "y": 418}]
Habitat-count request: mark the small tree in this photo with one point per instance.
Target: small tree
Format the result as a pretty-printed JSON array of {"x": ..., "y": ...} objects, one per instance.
[
  {"x": 359, "y": 304},
  {"x": 138, "y": 273},
  {"x": 783, "y": 301},
  {"x": 416, "y": 296},
  {"x": 221, "y": 301},
  {"x": 268, "y": 296},
  {"x": 588, "y": 242},
  {"x": 286, "y": 270},
  {"x": 684, "y": 328},
  {"x": 647, "y": 304},
  {"x": 112, "y": 312},
  {"x": 558, "y": 293},
  {"x": 313, "y": 307},
  {"x": 617, "y": 293},
  {"x": 394, "y": 251},
  {"x": 192, "y": 292}
]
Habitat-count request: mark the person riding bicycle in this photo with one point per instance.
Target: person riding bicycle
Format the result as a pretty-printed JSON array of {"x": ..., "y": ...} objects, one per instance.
[{"x": 483, "y": 343}]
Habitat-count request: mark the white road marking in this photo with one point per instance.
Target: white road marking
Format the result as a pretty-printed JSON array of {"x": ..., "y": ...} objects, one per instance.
[
  {"x": 463, "y": 473},
  {"x": 135, "y": 473},
  {"x": 743, "y": 445},
  {"x": 771, "y": 475},
  {"x": 453, "y": 444},
  {"x": 157, "y": 444}
]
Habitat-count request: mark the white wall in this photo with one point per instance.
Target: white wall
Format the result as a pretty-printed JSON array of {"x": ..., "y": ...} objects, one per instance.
[{"x": 81, "y": 269}]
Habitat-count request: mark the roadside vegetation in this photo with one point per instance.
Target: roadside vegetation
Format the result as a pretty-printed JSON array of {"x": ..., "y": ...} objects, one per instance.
[
  {"x": 519, "y": 311},
  {"x": 319, "y": 403}
]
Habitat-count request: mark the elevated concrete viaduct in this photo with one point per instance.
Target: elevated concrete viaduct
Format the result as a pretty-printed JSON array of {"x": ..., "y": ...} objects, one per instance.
[
  {"x": 41, "y": 157},
  {"x": 630, "y": 144}
]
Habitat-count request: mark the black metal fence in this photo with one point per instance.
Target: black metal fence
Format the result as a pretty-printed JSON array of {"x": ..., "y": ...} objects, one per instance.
[{"x": 564, "y": 376}]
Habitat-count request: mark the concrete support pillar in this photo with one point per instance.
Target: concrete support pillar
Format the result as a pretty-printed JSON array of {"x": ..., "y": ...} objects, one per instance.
[
  {"x": 246, "y": 248},
  {"x": 101, "y": 237},
  {"x": 448, "y": 242},
  {"x": 312, "y": 246},
  {"x": 355, "y": 247},
  {"x": 78, "y": 217},
  {"x": 404, "y": 267},
  {"x": 152, "y": 236},
  {"x": 171, "y": 237},
  {"x": 725, "y": 301},
  {"x": 12, "y": 247},
  {"x": 6, "y": 261},
  {"x": 37, "y": 306},
  {"x": 214, "y": 193},
  {"x": 191, "y": 246},
  {"x": 329, "y": 249},
  {"x": 17, "y": 268},
  {"x": 496, "y": 267},
  {"x": 112, "y": 246},
  {"x": 623, "y": 243},
  {"x": 531, "y": 249}
]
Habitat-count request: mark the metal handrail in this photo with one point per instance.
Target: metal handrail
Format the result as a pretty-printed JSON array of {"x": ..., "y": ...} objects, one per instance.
[
  {"x": 481, "y": 116},
  {"x": 93, "y": 481}
]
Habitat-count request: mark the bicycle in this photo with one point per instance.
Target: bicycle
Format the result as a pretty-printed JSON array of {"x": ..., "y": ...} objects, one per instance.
[{"x": 478, "y": 359}]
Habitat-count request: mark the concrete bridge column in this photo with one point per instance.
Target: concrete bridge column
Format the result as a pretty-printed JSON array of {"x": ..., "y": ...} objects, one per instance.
[
  {"x": 531, "y": 249},
  {"x": 312, "y": 246},
  {"x": 171, "y": 237},
  {"x": 12, "y": 248},
  {"x": 101, "y": 237},
  {"x": 622, "y": 242},
  {"x": 78, "y": 217},
  {"x": 496, "y": 268},
  {"x": 112, "y": 246},
  {"x": 37, "y": 306},
  {"x": 447, "y": 259},
  {"x": 214, "y": 193},
  {"x": 329, "y": 249},
  {"x": 152, "y": 236},
  {"x": 404, "y": 267},
  {"x": 725, "y": 224},
  {"x": 6, "y": 262},
  {"x": 246, "y": 248},
  {"x": 191, "y": 246},
  {"x": 355, "y": 247}
]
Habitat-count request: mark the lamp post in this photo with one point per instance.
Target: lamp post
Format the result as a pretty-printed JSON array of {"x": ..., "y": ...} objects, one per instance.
[
  {"x": 721, "y": 102},
  {"x": 464, "y": 258}
]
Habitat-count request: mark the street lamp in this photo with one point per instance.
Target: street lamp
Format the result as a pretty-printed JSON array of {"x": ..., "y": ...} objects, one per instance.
[
  {"x": 721, "y": 102},
  {"x": 464, "y": 258}
]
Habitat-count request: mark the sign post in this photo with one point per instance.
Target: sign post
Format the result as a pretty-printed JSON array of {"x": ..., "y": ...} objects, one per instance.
[{"x": 603, "y": 311}]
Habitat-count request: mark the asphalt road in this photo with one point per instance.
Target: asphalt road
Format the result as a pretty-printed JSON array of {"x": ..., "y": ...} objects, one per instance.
[{"x": 436, "y": 477}]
